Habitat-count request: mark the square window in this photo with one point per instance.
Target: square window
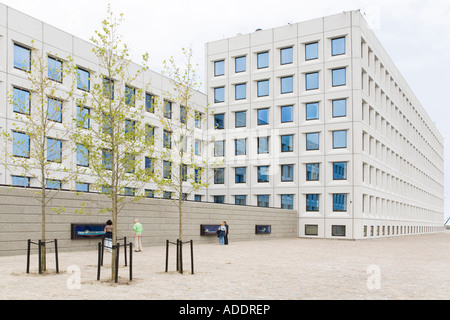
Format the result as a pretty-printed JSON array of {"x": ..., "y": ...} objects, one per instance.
[
  {"x": 55, "y": 69},
  {"x": 219, "y": 148},
  {"x": 340, "y": 202},
  {"x": 263, "y": 117},
  {"x": 82, "y": 156},
  {"x": 263, "y": 174},
  {"x": 287, "y": 143},
  {"x": 263, "y": 60},
  {"x": 82, "y": 187},
  {"x": 198, "y": 198},
  {"x": 338, "y": 46},
  {"x": 167, "y": 195},
  {"x": 312, "y": 171},
  {"x": 241, "y": 147},
  {"x": 312, "y": 111},
  {"x": 219, "y": 199},
  {"x": 22, "y": 58},
  {"x": 287, "y": 201},
  {"x": 219, "y": 94},
  {"x": 263, "y": 201},
  {"x": 240, "y": 119},
  {"x": 219, "y": 176},
  {"x": 263, "y": 88},
  {"x": 240, "y": 200},
  {"x": 240, "y": 64},
  {"x": 338, "y": 231},
  {"x": 287, "y": 84},
  {"x": 21, "y": 145},
  {"x": 339, "y": 77},
  {"x": 312, "y": 141},
  {"x": 312, "y": 81},
  {"x": 129, "y": 192},
  {"x": 167, "y": 169},
  {"x": 17, "y": 181},
  {"x": 339, "y": 139},
  {"x": 198, "y": 120},
  {"x": 340, "y": 171},
  {"x": 54, "y": 150},
  {"x": 54, "y": 110},
  {"x": 241, "y": 175},
  {"x": 83, "y": 117},
  {"x": 108, "y": 88},
  {"x": 83, "y": 79},
  {"x": 53, "y": 184},
  {"x": 287, "y": 173},
  {"x": 167, "y": 139},
  {"x": 339, "y": 108},
  {"x": 311, "y": 230},
  {"x": 286, "y": 55},
  {"x": 312, "y": 202},
  {"x": 263, "y": 145},
  {"x": 107, "y": 159},
  {"x": 198, "y": 147},
  {"x": 130, "y": 96},
  {"x": 219, "y": 121},
  {"x": 219, "y": 68},
  {"x": 150, "y": 102},
  {"x": 312, "y": 51},
  {"x": 21, "y": 101},
  {"x": 241, "y": 91},
  {"x": 287, "y": 114},
  {"x": 167, "y": 109}
]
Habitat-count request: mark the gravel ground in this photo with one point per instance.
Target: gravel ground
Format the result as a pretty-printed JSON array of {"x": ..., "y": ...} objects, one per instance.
[{"x": 408, "y": 267}]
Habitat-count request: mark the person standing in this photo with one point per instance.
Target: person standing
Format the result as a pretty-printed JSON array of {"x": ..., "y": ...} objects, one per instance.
[
  {"x": 227, "y": 232},
  {"x": 222, "y": 232},
  {"x": 108, "y": 235},
  {"x": 138, "y": 230}
]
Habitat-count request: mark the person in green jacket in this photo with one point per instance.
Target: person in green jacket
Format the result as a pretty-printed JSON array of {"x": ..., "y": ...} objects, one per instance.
[{"x": 138, "y": 230}]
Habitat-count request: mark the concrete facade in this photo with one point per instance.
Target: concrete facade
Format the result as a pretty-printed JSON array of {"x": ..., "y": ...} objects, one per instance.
[
  {"x": 389, "y": 150},
  {"x": 20, "y": 220},
  {"x": 393, "y": 152}
]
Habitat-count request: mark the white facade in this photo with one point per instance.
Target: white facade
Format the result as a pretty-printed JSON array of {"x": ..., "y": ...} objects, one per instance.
[
  {"x": 40, "y": 38},
  {"x": 387, "y": 150},
  {"x": 394, "y": 154}
]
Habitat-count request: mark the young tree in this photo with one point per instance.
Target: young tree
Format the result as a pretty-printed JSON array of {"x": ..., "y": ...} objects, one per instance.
[
  {"x": 185, "y": 158},
  {"x": 116, "y": 141},
  {"x": 37, "y": 150}
]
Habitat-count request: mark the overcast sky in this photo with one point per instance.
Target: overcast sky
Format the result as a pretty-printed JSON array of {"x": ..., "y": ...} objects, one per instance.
[{"x": 415, "y": 33}]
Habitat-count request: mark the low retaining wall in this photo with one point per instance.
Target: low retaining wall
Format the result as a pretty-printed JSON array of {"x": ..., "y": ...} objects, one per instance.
[{"x": 20, "y": 219}]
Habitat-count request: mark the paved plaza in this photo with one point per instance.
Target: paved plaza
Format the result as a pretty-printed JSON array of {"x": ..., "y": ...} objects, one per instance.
[{"x": 408, "y": 267}]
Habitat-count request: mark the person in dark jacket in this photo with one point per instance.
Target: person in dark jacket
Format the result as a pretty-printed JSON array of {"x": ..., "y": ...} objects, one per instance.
[{"x": 226, "y": 233}]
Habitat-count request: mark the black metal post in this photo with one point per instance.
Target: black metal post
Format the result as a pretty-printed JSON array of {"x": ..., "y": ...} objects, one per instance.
[
  {"x": 117, "y": 263},
  {"x": 167, "y": 255},
  {"x": 99, "y": 260},
  {"x": 103, "y": 250},
  {"x": 181, "y": 256},
  {"x": 125, "y": 250},
  {"x": 56, "y": 256},
  {"x": 28, "y": 255},
  {"x": 131, "y": 261},
  {"x": 40, "y": 256},
  {"x": 178, "y": 254},
  {"x": 192, "y": 256}
]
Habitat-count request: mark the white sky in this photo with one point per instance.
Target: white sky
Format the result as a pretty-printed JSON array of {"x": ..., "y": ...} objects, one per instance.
[{"x": 415, "y": 33}]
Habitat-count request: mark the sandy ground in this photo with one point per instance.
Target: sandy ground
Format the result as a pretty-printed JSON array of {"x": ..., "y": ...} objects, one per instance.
[{"x": 408, "y": 267}]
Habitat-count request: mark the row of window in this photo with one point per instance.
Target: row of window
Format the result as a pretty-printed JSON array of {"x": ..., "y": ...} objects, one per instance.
[
  {"x": 22, "y": 101},
  {"x": 339, "y": 78},
  {"x": 287, "y": 173},
  {"x": 286, "y": 113},
  {"x": 287, "y": 143},
  {"x": 287, "y": 201},
  {"x": 286, "y": 56}
]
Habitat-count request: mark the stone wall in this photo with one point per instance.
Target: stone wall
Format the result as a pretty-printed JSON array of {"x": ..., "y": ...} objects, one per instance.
[{"x": 20, "y": 219}]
